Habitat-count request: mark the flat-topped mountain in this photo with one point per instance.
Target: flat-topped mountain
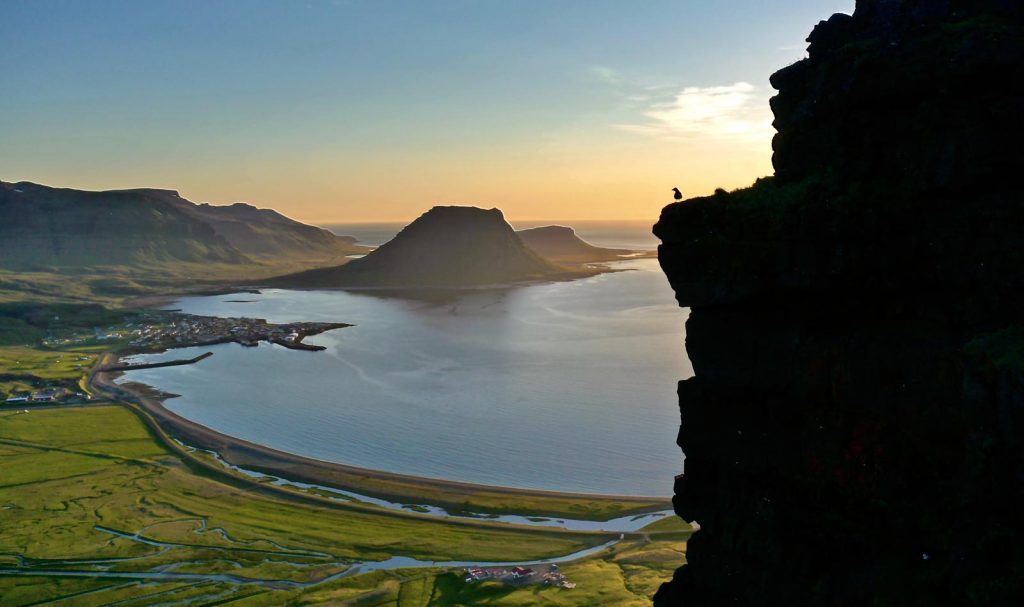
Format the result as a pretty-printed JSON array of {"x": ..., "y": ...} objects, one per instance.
[
  {"x": 561, "y": 245},
  {"x": 47, "y": 228},
  {"x": 446, "y": 246}
]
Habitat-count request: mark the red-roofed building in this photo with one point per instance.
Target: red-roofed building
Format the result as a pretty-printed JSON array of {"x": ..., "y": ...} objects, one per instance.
[{"x": 521, "y": 572}]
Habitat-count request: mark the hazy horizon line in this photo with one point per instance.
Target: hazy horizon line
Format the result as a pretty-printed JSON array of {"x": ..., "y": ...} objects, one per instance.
[
  {"x": 559, "y": 220},
  {"x": 321, "y": 222}
]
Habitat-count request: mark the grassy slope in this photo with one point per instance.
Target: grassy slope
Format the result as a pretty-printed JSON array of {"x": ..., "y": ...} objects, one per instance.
[
  {"x": 67, "y": 471},
  {"x": 26, "y": 363},
  {"x": 24, "y": 366},
  {"x": 114, "y": 285}
]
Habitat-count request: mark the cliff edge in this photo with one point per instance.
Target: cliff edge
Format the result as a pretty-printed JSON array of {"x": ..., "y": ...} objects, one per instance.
[{"x": 854, "y": 431}]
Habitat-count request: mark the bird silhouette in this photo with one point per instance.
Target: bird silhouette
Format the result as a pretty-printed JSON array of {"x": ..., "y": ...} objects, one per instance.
[{"x": 679, "y": 195}]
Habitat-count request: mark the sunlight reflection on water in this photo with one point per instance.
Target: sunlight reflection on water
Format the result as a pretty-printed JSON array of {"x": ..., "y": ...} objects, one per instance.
[{"x": 563, "y": 386}]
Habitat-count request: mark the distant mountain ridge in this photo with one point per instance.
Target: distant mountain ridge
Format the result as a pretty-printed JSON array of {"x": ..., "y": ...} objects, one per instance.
[
  {"x": 446, "y": 246},
  {"x": 46, "y": 228},
  {"x": 265, "y": 232},
  {"x": 561, "y": 244}
]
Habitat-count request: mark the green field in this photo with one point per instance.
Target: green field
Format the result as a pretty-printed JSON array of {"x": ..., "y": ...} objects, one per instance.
[
  {"x": 31, "y": 357},
  {"x": 24, "y": 369},
  {"x": 90, "y": 490},
  {"x": 114, "y": 285}
]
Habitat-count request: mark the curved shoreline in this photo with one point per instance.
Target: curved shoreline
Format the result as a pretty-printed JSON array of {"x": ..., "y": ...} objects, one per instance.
[{"x": 455, "y": 496}]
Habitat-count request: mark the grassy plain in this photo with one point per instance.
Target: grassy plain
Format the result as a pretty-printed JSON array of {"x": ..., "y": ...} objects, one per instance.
[
  {"x": 114, "y": 285},
  {"x": 51, "y": 345},
  {"x": 24, "y": 369},
  {"x": 90, "y": 490}
]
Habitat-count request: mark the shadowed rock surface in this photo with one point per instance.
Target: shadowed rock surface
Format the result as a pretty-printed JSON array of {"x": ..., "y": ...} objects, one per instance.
[
  {"x": 445, "y": 247},
  {"x": 54, "y": 228},
  {"x": 561, "y": 245},
  {"x": 853, "y": 432}
]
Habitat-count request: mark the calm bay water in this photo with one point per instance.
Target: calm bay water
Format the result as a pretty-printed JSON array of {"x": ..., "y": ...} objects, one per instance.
[{"x": 564, "y": 386}]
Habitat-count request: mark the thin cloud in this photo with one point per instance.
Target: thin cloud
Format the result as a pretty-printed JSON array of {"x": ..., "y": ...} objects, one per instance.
[
  {"x": 605, "y": 74},
  {"x": 736, "y": 110}
]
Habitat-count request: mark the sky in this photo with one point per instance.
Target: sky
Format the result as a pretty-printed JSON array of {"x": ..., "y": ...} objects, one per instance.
[{"x": 376, "y": 110}]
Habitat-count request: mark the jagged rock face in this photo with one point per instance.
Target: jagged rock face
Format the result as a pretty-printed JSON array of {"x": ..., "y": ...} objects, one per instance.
[
  {"x": 854, "y": 431},
  {"x": 445, "y": 247},
  {"x": 915, "y": 90}
]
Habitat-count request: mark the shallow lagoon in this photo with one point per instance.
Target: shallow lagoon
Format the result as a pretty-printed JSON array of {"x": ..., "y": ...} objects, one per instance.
[{"x": 563, "y": 386}]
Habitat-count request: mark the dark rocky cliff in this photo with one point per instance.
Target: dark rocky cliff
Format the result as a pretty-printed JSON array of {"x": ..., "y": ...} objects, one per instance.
[{"x": 853, "y": 432}]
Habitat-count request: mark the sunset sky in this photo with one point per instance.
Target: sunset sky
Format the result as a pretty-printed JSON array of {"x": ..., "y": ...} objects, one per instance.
[{"x": 359, "y": 110}]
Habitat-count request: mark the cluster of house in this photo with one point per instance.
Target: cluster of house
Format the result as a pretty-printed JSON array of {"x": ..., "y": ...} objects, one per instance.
[
  {"x": 168, "y": 329},
  {"x": 188, "y": 329},
  {"x": 162, "y": 330},
  {"x": 97, "y": 334},
  {"x": 49, "y": 395},
  {"x": 476, "y": 574},
  {"x": 552, "y": 577}
]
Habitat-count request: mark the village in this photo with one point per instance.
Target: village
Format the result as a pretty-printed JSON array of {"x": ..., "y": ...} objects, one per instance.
[
  {"x": 49, "y": 395},
  {"x": 161, "y": 330},
  {"x": 553, "y": 576},
  {"x": 54, "y": 374}
]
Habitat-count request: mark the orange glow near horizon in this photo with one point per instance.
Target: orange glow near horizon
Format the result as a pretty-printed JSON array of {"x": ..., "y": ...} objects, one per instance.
[
  {"x": 341, "y": 112},
  {"x": 626, "y": 178}
]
